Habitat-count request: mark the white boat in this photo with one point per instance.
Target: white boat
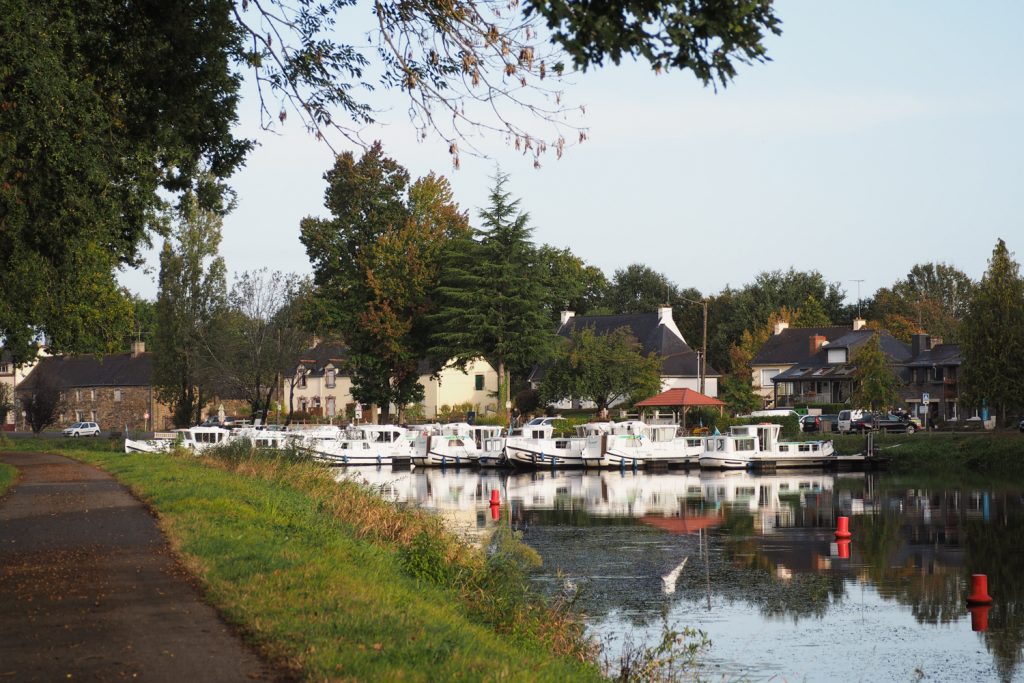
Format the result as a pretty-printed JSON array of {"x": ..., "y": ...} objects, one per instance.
[
  {"x": 194, "y": 438},
  {"x": 668, "y": 446},
  {"x": 364, "y": 445},
  {"x": 758, "y": 446},
  {"x": 445, "y": 450},
  {"x": 536, "y": 446},
  {"x": 605, "y": 448}
]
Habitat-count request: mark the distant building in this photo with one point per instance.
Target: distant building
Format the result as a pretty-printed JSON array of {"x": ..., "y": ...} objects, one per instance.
[
  {"x": 657, "y": 333},
  {"x": 933, "y": 369},
  {"x": 12, "y": 375},
  {"x": 114, "y": 390},
  {"x": 320, "y": 385}
]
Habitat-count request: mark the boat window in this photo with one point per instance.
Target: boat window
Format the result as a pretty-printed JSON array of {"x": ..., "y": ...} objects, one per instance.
[
  {"x": 693, "y": 489},
  {"x": 744, "y": 444},
  {"x": 783, "y": 449},
  {"x": 783, "y": 487},
  {"x": 456, "y": 442},
  {"x": 562, "y": 444},
  {"x": 744, "y": 491},
  {"x": 344, "y": 445},
  {"x": 804, "y": 448}
]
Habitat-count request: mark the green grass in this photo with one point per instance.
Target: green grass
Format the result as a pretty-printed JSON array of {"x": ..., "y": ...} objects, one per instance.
[
  {"x": 7, "y": 476},
  {"x": 336, "y": 583}
]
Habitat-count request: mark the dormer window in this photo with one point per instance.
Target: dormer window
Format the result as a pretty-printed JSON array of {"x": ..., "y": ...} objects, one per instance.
[
  {"x": 330, "y": 377},
  {"x": 836, "y": 356},
  {"x": 302, "y": 381}
]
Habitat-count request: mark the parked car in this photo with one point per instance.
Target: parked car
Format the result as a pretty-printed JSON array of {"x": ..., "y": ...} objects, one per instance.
[
  {"x": 810, "y": 423},
  {"x": 844, "y": 425},
  {"x": 883, "y": 423},
  {"x": 1021, "y": 425},
  {"x": 828, "y": 423},
  {"x": 82, "y": 429}
]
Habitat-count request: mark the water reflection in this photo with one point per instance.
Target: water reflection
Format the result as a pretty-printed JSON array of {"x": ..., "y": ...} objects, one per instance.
[{"x": 753, "y": 561}]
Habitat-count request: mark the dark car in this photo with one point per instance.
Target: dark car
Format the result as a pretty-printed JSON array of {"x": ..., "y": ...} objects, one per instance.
[
  {"x": 1021, "y": 425},
  {"x": 810, "y": 423},
  {"x": 884, "y": 423}
]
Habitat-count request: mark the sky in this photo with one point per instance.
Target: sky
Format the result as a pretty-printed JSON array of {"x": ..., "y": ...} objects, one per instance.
[{"x": 881, "y": 135}]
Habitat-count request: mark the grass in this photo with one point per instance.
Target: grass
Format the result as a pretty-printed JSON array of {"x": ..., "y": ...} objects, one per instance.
[
  {"x": 7, "y": 476},
  {"x": 340, "y": 585}
]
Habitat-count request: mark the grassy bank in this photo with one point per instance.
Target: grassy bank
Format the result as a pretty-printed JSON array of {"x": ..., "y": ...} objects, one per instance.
[
  {"x": 7, "y": 476},
  {"x": 987, "y": 454},
  {"x": 337, "y": 583}
]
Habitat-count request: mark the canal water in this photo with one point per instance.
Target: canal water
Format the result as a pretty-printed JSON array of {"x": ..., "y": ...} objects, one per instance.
[{"x": 752, "y": 561}]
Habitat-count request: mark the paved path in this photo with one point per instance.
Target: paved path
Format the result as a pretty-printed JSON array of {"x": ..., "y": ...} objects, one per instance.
[{"x": 89, "y": 589}]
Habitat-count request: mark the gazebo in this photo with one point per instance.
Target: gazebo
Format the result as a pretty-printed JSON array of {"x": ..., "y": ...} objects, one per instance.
[{"x": 680, "y": 400}]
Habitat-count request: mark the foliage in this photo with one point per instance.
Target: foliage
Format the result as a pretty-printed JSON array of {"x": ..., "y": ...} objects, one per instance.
[
  {"x": 603, "y": 369},
  {"x": 376, "y": 265},
  {"x": 992, "y": 339},
  {"x": 811, "y": 314},
  {"x": 875, "y": 384},
  {"x": 6, "y": 401},
  {"x": 7, "y": 476},
  {"x": 192, "y": 292},
  {"x": 492, "y": 295},
  {"x": 41, "y": 400},
  {"x": 932, "y": 298},
  {"x": 258, "y": 333},
  {"x": 144, "y": 319},
  {"x": 109, "y": 112},
  {"x": 527, "y": 401},
  {"x": 676, "y": 655},
  {"x": 737, "y": 392},
  {"x": 572, "y": 285}
]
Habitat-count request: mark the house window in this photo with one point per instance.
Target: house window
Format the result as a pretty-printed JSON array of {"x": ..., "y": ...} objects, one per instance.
[
  {"x": 302, "y": 381},
  {"x": 78, "y": 396},
  {"x": 479, "y": 382},
  {"x": 316, "y": 402},
  {"x": 79, "y": 416},
  {"x": 766, "y": 376},
  {"x": 330, "y": 379},
  {"x": 5, "y": 368},
  {"x": 303, "y": 405},
  {"x": 330, "y": 406},
  {"x": 92, "y": 415},
  {"x": 92, "y": 394},
  {"x": 938, "y": 374},
  {"x": 117, "y": 394},
  {"x": 836, "y": 356}
]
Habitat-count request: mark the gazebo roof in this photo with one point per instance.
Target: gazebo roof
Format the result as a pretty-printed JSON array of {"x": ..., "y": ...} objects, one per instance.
[{"x": 674, "y": 398}]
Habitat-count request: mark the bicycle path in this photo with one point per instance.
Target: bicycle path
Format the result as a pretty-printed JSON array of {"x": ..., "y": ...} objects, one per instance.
[{"x": 90, "y": 589}]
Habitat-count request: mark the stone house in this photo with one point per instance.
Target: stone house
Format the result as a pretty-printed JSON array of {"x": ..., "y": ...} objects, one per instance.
[
  {"x": 114, "y": 390},
  {"x": 320, "y": 385},
  {"x": 657, "y": 333},
  {"x": 787, "y": 347}
]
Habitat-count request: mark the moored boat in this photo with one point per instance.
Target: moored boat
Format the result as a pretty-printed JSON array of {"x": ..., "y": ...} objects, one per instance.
[{"x": 759, "y": 446}]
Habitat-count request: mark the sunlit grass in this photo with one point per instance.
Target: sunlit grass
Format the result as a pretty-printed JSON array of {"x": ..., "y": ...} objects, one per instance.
[
  {"x": 340, "y": 584},
  {"x": 7, "y": 476}
]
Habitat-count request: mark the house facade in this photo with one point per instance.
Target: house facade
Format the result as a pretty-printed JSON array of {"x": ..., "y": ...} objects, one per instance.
[
  {"x": 12, "y": 375},
  {"x": 933, "y": 371},
  {"x": 320, "y": 386},
  {"x": 115, "y": 390},
  {"x": 657, "y": 333},
  {"x": 827, "y": 375}
]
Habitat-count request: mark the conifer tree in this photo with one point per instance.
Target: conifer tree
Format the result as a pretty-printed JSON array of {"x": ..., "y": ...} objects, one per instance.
[
  {"x": 992, "y": 337},
  {"x": 875, "y": 384},
  {"x": 493, "y": 294}
]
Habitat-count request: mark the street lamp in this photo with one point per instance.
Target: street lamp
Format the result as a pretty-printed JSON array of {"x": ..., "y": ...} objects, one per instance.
[{"x": 702, "y": 356}]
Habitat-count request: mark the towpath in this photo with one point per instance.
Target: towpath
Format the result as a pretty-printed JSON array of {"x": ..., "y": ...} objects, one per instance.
[{"x": 89, "y": 589}]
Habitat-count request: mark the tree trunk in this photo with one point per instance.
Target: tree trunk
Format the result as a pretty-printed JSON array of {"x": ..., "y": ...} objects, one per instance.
[{"x": 501, "y": 390}]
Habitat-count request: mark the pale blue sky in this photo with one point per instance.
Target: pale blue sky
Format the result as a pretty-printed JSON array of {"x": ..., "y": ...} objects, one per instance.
[{"x": 882, "y": 134}]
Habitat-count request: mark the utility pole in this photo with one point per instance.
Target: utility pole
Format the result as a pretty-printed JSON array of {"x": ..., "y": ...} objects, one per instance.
[{"x": 704, "y": 354}]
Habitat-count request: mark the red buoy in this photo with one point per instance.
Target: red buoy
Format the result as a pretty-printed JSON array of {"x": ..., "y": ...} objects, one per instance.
[
  {"x": 844, "y": 528},
  {"x": 979, "y": 617},
  {"x": 495, "y": 512},
  {"x": 843, "y": 549},
  {"x": 979, "y": 590},
  {"x": 495, "y": 498}
]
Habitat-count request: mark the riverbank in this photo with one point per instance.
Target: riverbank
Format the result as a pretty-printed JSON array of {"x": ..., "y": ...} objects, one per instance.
[
  {"x": 969, "y": 454},
  {"x": 338, "y": 584}
]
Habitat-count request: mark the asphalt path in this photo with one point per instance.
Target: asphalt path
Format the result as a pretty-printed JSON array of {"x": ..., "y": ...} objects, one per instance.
[{"x": 90, "y": 590}]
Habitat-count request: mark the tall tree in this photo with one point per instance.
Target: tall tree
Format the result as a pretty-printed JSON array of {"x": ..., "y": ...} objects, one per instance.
[
  {"x": 376, "y": 266},
  {"x": 571, "y": 283},
  {"x": 493, "y": 293},
  {"x": 811, "y": 314},
  {"x": 602, "y": 369},
  {"x": 875, "y": 383},
  {"x": 932, "y": 298},
  {"x": 992, "y": 337},
  {"x": 639, "y": 289},
  {"x": 192, "y": 292},
  {"x": 41, "y": 402}
]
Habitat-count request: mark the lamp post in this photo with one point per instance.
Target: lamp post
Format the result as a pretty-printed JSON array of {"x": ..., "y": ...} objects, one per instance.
[{"x": 702, "y": 360}]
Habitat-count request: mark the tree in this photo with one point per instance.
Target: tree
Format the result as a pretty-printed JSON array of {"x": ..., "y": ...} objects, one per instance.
[
  {"x": 6, "y": 402},
  {"x": 992, "y": 337},
  {"x": 811, "y": 314},
  {"x": 875, "y": 384},
  {"x": 571, "y": 283},
  {"x": 493, "y": 293},
  {"x": 192, "y": 292},
  {"x": 257, "y": 335},
  {"x": 639, "y": 289},
  {"x": 43, "y": 403},
  {"x": 376, "y": 266},
  {"x": 932, "y": 298},
  {"x": 603, "y": 369}
]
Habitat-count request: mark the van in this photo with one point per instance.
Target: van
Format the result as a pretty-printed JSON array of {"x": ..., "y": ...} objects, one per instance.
[
  {"x": 846, "y": 419},
  {"x": 776, "y": 412}
]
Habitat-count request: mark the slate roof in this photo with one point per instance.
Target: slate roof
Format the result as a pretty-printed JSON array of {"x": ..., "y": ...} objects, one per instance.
[
  {"x": 942, "y": 354},
  {"x": 792, "y": 345},
  {"x": 818, "y": 367},
  {"x": 111, "y": 370},
  {"x": 677, "y": 358}
]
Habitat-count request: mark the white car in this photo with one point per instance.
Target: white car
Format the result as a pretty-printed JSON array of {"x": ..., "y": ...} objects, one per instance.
[{"x": 82, "y": 429}]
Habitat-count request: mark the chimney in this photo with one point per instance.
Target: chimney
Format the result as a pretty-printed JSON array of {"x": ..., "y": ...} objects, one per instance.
[
  {"x": 780, "y": 326},
  {"x": 816, "y": 342},
  {"x": 859, "y": 323},
  {"x": 665, "y": 318},
  {"x": 566, "y": 315},
  {"x": 138, "y": 348},
  {"x": 919, "y": 343}
]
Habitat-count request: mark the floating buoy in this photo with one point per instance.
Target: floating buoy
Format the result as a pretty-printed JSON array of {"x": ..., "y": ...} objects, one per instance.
[
  {"x": 495, "y": 512},
  {"x": 979, "y": 590},
  {"x": 843, "y": 549},
  {"x": 979, "y": 617},
  {"x": 495, "y": 498},
  {"x": 843, "y": 531}
]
